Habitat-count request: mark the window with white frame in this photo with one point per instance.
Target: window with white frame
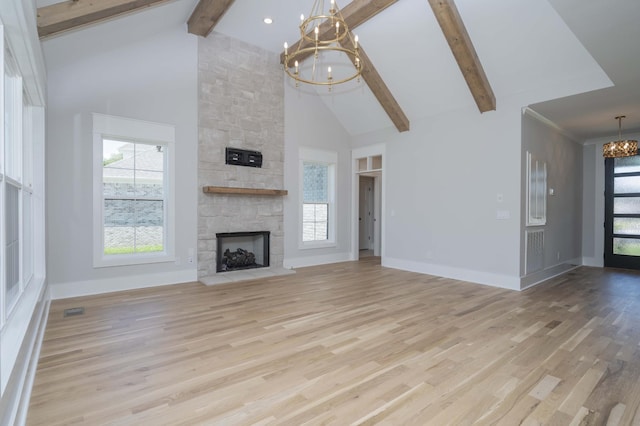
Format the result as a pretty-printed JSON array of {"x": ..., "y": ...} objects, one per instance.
[
  {"x": 16, "y": 189},
  {"x": 318, "y": 188},
  {"x": 12, "y": 184},
  {"x": 133, "y": 191},
  {"x": 22, "y": 187}
]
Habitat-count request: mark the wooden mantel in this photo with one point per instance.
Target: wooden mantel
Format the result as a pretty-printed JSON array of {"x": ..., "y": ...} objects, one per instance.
[{"x": 242, "y": 191}]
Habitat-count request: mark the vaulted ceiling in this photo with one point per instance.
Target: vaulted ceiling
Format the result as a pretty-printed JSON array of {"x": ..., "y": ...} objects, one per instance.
[{"x": 523, "y": 46}]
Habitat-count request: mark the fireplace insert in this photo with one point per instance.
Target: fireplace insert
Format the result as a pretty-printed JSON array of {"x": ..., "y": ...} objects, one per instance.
[{"x": 242, "y": 250}]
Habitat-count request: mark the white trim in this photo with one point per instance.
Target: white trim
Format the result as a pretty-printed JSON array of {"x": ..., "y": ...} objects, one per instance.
[
  {"x": 533, "y": 190},
  {"x": 129, "y": 282},
  {"x": 36, "y": 346},
  {"x": 330, "y": 159},
  {"x": 546, "y": 274},
  {"x": 16, "y": 327},
  {"x": 301, "y": 262},
  {"x": 136, "y": 131},
  {"x": 132, "y": 129},
  {"x": 15, "y": 399},
  {"x": 476, "y": 277},
  {"x": 21, "y": 32},
  {"x": 20, "y": 334},
  {"x": 368, "y": 151}
]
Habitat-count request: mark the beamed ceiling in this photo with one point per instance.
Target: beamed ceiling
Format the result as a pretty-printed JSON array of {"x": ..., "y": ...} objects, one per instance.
[{"x": 421, "y": 57}]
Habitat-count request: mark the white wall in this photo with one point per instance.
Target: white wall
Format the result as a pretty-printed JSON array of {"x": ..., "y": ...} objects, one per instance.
[
  {"x": 443, "y": 178},
  {"x": 153, "y": 78},
  {"x": 563, "y": 228},
  {"x": 309, "y": 124},
  {"x": 593, "y": 202}
]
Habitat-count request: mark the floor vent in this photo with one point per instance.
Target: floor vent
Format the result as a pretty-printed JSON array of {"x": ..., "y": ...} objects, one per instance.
[
  {"x": 73, "y": 312},
  {"x": 534, "y": 251}
]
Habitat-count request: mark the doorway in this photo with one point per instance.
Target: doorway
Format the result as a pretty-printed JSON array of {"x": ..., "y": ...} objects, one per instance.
[
  {"x": 367, "y": 162},
  {"x": 366, "y": 216},
  {"x": 369, "y": 207},
  {"x": 622, "y": 213}
]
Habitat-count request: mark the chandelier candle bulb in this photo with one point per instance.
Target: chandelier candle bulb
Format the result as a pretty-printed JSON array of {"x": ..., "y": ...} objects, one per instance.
[
  {"x": 301, "y": 18},
  {"x": 296, "y": 67},
  {"x": 329, "y": 72},
  {"x": 317, "y": 31},
  {"x": 286, "y": 48},
  {"x": 337, "y": 28},
  {"x": 356, "y": 42}
]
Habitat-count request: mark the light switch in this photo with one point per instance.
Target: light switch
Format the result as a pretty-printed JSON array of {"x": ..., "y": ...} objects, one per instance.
[{"x": 503, "y": 214}]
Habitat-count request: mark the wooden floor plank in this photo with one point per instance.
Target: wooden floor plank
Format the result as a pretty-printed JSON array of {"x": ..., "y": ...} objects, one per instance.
[{"x": 350, "y": 343}]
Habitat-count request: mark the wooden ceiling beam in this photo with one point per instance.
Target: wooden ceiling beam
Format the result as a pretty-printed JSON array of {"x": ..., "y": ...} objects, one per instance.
[
  {"x": 71, "y": 14},
  {"x": 454, "y": 31},
  {"x": 206, "y": 15},
  {"x": 355, "y": 14},
  {"x": 381, "y": 91}
]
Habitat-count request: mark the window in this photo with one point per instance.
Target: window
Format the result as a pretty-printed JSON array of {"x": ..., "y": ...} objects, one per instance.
[
  {"x": 12, "y": 184},
  {"x": 133, "y": 207},
  {"x": 536, "y": 191},
  {"x": 315, "y": 203},
  {"x": 317, "y": 174}
]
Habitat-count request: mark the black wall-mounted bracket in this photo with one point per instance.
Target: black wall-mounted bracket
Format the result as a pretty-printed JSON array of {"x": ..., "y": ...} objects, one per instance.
[{"x": 243, "y": 157}]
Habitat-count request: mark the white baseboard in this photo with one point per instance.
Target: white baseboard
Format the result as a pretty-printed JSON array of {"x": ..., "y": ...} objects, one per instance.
[
  {"x": 301, "y": 262},
  {"x": 129, "y": 282},
  {"x": 15, "y": 399},
  {"x": 546, "y": 274},
  {"x": 477, "y": 277}
]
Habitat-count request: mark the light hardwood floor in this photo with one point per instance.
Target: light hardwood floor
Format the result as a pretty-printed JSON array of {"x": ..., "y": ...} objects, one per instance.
[{"x": 350, "y": 343}]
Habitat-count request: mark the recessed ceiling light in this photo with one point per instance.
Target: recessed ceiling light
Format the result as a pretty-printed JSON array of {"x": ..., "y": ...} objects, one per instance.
[{"x": 268, "y": 20}]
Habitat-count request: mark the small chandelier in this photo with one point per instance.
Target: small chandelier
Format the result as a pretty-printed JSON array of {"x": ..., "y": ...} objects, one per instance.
[
  {"x": 620, "y": 148},
  {"x": 322, "y": 32}
]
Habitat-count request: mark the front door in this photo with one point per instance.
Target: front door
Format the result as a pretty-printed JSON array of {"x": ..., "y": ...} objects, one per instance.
[{"x": 622, "y": 213}]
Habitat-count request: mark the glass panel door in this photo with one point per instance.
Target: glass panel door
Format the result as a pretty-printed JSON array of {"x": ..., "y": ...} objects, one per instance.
[{"x": 622, "y": 212}]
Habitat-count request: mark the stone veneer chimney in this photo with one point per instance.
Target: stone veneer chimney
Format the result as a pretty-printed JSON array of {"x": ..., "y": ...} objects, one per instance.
[{"x": 240, "y": 105}]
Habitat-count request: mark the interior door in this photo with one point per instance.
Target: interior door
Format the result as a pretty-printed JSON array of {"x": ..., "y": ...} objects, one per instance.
[
  {"x": 366, "y": 213},
  {"x": 622, "y": 213}
]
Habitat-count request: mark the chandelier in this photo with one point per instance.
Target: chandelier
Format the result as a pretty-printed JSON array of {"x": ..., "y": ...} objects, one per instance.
[
  {"x": 620, "y": 148},
  {"x": 323, "y": 34}
]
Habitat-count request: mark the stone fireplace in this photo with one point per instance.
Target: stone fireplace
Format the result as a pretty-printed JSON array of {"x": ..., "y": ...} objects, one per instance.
[{"x": 240, "y": 105}]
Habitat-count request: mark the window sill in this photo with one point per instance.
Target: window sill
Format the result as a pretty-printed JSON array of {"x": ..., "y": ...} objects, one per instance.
[
  {"x": 127, "y": 260},
  {"x": 317, "y": 245}
]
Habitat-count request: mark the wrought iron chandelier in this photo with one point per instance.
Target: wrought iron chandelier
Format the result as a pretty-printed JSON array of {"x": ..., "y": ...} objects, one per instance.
[
  {"x": 620, "y": 148},
  {"x": 323, "y": 33}
]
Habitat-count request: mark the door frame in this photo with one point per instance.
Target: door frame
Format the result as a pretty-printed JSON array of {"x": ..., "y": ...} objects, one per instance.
[
  {"x": 614, "y": 260},
  {"x": 366, "y": 219},
  {"x": 380, "y": 180}
]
